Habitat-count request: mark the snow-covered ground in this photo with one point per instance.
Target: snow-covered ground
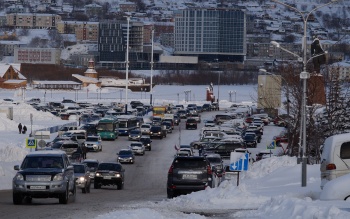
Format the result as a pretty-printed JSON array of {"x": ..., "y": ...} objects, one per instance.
[{"x": 270, "y": 189}]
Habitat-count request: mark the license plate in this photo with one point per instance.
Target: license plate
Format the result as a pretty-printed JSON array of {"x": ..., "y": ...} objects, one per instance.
[
  {"x": 107, "y": 177},
  {"x": 37, "y": 187},
  {"x": 189, "y": 176}
]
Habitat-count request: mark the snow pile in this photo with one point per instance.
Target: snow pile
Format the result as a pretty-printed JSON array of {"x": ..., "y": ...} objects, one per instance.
[{"x": 147, "y": 213}]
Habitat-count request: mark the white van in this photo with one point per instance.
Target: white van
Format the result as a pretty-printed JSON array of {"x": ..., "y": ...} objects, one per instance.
[{"x": 335, "y": 158}]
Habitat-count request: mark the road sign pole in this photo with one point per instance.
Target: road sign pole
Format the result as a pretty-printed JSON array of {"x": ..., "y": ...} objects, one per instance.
[{"x": 238, "y": 178}]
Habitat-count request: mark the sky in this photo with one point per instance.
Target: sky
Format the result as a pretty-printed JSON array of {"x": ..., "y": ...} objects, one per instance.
[{"x": 271, "y": 188}]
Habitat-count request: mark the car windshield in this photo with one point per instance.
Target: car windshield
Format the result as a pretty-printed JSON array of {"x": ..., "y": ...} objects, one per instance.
[
  {"x": 109, "y": 166},
  {"x": 145, "y": 126},
  {"x": 79, "y": 169},
  {"x": 214, "y": 159},
  {"x": 146, "y": 140},
  {"x": 57, "y": 145},
  {"x": 249, "y": 137},
  {"x": 91, "y": 164},
  {"x": 190, "y": 164},
  {"x": 125, "y": 152},
  {"x": 42, "y": 162},
  {"x": 135, "y": 145},
  {"x": 135, "y": 132},
  {"x": 92, "y": 139}
]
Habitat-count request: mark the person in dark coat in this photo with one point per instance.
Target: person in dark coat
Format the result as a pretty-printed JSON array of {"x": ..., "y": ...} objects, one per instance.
[
  {"x": 20, "y": 128},
  {"x": 316, "y": 50},
  {"x": 24, "y": 129},
  {"x": 84, "y": 150}
]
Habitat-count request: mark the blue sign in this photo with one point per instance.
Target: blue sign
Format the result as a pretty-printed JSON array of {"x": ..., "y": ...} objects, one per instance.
[
  {"x": 271, "y": 146},
  {"x": 30, "y": 143},
  {"x": 241, "y": 164}
]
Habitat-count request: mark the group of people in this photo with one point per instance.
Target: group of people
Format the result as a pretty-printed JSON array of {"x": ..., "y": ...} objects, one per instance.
[{"x": 22, "y": 129}]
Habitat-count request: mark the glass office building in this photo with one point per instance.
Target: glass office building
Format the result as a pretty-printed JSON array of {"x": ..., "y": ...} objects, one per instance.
[{"x": 211, "y": 34}]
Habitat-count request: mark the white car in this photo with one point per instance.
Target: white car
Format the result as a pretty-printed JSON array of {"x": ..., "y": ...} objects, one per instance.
[
  {"x": 137, "y": 148},
  {"x": 145, "y": 129},
  {"x": 209, "y": 123},
  {"x": 94, "y": 143}
]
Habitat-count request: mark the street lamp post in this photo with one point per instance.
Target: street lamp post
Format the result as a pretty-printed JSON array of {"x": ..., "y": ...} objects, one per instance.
[
  {"x": 151, "y": 89},
  {"x": 235, "y": 96},
  {"x": 304, "y": 75},
  {"x": 127, "y": 66}
]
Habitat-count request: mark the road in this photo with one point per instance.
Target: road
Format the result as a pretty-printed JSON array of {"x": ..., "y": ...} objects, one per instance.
[{"x": 145, "y": 180}]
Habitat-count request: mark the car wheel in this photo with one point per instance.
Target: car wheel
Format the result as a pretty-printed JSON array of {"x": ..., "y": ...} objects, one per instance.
[
  {"x": 88, "y": 188},
  {"x": 149, "y": 149},
  {"x": 101, "y": 148},
  {"x": 120, "y": 186},
  {"x": 96, "y": 185},
  {"x": 170, "y": 194},
  {"x": 63, "y": 198},
  {"x": 17, "y": 198},
  {"x": 83, "y": 190},
  {"x": 74, "y": 193}
]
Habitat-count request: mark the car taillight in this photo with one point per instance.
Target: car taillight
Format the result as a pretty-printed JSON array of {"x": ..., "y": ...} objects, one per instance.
[
  {"x": 209, "y": 170},
  {"x": 331, "y": 166},
  {"x": 171, "y": 169}
]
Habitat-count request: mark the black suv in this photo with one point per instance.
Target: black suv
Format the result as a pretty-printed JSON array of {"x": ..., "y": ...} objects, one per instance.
[
  {"x": 109, "y": 174},
  {"x": 44, "y": 174},
  {"x": 135, "y": 104},
  {"x": 146, "y": 141},
  {"x": 191, "y": 123},
  {"x": 157, "y": 131},
  {"x": 188, "y": 174}
]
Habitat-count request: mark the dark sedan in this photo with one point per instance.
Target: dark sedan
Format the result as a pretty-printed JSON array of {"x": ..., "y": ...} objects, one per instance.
[{"x": 109, "y": 174}]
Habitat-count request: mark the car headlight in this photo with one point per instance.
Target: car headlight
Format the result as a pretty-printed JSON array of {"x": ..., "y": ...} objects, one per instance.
[
  {"x": 82, "y": 179},
  {"x": 19, "y": 176},
  {"x": 98, "y": 174},
  {"x": 117, "y": 174},
  {"x": 58, "y": 177}
]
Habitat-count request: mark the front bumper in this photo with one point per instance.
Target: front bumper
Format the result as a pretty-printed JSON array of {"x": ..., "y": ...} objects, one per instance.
[{"x": 39, "y": 189}]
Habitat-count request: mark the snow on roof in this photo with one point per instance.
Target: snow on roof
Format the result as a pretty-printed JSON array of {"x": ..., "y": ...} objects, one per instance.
[
  {"x": 16, "y": 67},
  {"x": 85, "y": 79},
  {"x": 13, "y": 81},
  {"x": 56, "y": 82}
]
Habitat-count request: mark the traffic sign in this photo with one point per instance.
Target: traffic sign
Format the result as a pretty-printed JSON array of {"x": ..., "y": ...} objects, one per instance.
[
  {"x": 30, "y": 143},
  {"x": 271, "y": 146},
  {"x": 42, "y": 143},
  {"x": 241, "y": 164}
]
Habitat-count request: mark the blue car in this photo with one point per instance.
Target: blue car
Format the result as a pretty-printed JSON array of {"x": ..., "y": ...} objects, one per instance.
[{"x": 126, "y": 156}]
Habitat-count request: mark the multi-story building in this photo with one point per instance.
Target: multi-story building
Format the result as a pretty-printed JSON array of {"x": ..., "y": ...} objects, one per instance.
[
  {"x": 32, "y": 20},
  {"x": 7, "y": 47},
  {"x": 269, "y": 91},
  {"x": 84, "y": 31},
  {"x": 112, "y": 40},
  {"x": 37, "y": 55},
  {"x": 127, "y": 7},
  {"x": 93, "y": 9},
  {"x": 211, "y": 34}
]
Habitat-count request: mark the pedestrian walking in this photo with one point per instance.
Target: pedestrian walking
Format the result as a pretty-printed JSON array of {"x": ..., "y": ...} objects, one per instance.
[
  {"x": 20, "y": 128},
  {"x": 24, "y": 129},
  {"x": 84, "y": 150}
]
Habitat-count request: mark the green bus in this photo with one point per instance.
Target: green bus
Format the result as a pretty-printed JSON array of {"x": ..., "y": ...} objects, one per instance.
[{"x": 108, "y": 128}]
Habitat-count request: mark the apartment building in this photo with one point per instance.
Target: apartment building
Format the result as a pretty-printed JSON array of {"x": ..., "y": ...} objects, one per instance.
[
  {"x": 112, "y": 40},
  {"x": 37, "y": 55},
  {"x": 127, "y": 7},
  {"x": 32, "y": 20},
  {"x": 211, "y": 34},
  {"x": 7, "y": 47},
  {"x": 84, "y": 31}
]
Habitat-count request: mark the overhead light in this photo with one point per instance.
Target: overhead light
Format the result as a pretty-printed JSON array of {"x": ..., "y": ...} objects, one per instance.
[{"x": 275, "y": 43}]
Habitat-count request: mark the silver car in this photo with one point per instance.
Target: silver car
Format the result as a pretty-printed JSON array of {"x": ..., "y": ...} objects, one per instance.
[
  {"x": 137, "y": 148},
  {"x": 44, "y": 174},
  {"x": 82, "y": 177},
  {"x": 94, "y": 143}
]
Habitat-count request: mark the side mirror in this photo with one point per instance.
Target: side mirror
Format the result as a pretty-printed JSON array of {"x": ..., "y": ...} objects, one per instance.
[
  {"x": 117, "y": 153},
  {"x": 16, "y": 167}
]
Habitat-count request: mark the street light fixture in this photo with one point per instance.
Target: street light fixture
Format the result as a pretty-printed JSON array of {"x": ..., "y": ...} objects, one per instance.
[
  {"x": 127, "y": 66},
  {"x": 304, "y": 75},
  {"x": 151, "y": 89}
]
